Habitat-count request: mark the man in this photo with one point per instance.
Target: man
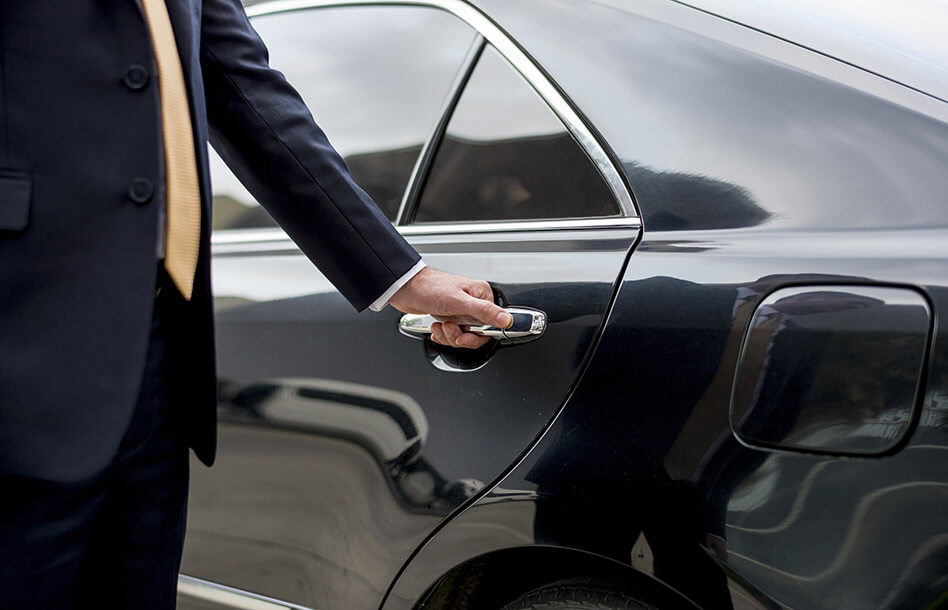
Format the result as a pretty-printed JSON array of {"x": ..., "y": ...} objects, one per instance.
[{"x": 106, "y": 345}]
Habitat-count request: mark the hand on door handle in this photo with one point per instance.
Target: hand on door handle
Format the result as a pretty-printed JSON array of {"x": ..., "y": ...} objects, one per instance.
[
  {"x": 454, "y": 301},
  {"x": 528, "y": 325}
]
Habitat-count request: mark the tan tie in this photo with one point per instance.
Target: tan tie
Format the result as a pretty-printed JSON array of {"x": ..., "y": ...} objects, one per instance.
[{"x": 183, "y": 197}]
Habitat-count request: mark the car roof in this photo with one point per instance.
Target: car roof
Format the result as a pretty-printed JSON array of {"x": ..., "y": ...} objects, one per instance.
[{"x": 905, "y": 40}]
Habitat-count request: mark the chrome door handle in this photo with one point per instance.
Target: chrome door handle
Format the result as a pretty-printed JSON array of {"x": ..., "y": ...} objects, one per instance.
[{"x": 528, "y": 325}]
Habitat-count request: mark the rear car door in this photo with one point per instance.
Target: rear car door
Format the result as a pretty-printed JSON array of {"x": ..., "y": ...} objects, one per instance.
[{"x": 344, "y": 444}]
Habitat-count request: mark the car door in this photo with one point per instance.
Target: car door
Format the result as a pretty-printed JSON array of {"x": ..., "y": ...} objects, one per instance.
[{"x": 343, "y": 443}]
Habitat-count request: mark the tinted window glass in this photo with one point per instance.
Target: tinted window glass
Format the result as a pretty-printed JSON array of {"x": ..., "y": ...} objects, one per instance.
[
  {"x": 375, "y": 79},
  {"x": 507, "y": 156}
]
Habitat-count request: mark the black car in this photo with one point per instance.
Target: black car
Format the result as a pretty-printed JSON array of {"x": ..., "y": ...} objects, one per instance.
[{"x": 727, "y": 226}]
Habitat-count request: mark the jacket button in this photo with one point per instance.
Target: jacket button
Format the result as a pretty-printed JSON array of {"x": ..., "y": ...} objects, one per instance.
[
  {"x": 141, "y": 190},
  {"x": 136, "y": 77}
]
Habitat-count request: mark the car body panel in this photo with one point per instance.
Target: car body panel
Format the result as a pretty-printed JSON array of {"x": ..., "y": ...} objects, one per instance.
[
  {"x": 802, "y": 156},
  {"x": 344, "y": 444},
  {"x": 290, "y": 466},
  {"x": 759, "y": 167},
  {"x": 804, "y": 530}
]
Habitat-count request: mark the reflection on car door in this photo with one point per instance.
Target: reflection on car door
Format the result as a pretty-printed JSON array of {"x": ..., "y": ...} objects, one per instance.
[{"x": 343, "y": 443}]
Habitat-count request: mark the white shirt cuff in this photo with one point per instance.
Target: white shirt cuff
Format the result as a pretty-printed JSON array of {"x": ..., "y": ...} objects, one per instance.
[{"x": 382, "y": 301}]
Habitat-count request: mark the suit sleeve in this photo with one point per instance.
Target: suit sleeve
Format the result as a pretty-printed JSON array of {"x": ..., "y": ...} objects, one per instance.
[{"x": 262, "y": 129}]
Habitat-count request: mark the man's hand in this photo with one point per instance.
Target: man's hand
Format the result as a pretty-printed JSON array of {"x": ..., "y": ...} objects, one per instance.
[{"x": 454, "y": 300}]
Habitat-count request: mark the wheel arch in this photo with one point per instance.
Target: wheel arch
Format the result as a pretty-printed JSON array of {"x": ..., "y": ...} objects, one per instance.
[{"x": 485, "y": 582}]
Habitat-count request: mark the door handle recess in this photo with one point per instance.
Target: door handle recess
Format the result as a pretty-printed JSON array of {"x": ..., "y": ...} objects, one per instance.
[{"x": 528, "y": 325}]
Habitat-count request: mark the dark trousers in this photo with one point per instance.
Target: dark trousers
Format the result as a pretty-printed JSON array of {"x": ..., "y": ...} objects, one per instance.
[{"x": 115, "y": 540}]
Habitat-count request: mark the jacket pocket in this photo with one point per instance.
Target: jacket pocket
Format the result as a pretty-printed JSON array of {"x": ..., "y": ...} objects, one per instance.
[{"x": 16, "y": 190}]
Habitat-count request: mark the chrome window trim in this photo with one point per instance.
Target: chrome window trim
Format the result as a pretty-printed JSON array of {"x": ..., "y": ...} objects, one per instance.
[
  {"x": 534, "y": 76},
  {"x": 256, "y": 240},
  {"x": 248, "y": 236},
  {"x": 509, "y": 226},
  {"x": 230, "y": 597}
]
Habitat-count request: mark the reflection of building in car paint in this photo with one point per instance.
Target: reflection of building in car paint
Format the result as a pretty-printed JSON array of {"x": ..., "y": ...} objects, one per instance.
[{"x": 388, "y": 424}]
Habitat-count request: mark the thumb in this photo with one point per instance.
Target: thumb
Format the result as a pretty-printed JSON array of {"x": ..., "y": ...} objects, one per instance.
[{"x": 489, "y": 313}]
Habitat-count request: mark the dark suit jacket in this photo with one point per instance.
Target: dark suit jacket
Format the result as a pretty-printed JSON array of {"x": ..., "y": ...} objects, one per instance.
[{"x": 79, "y": 147}]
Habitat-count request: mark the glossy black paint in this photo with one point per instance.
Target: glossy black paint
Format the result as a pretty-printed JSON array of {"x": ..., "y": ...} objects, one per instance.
[
  {"x": 714, "y": 138},
  {"x": 831, "y": 369},
  {"x": 361, "y": 476},
  {"x": 788, "y": 139},
  {"x": 799, "y": 530},
  {"x": 319, "y": 498}
]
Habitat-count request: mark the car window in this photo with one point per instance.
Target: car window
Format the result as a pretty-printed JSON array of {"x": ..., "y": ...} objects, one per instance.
[
  {"x": 375, "y": 78},
  {"x": 507, "y": 156}
]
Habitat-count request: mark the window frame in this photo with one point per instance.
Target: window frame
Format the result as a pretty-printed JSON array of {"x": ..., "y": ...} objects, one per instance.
[{"x": 486, "y": 33}]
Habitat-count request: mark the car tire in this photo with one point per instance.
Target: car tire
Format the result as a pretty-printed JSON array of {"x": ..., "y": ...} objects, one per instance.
[{"x": 577, "y": 595}]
